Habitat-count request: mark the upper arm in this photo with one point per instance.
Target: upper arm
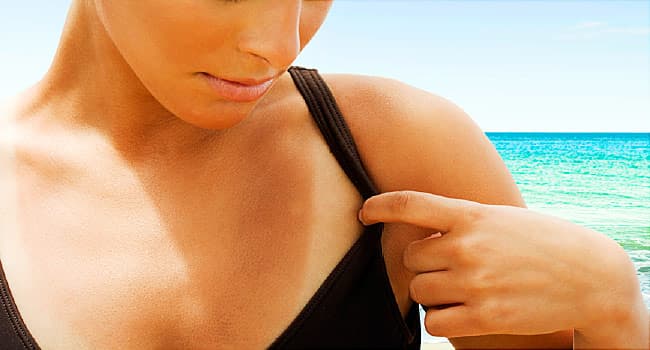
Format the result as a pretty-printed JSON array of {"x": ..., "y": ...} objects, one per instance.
[{"x": 410, "y": 139}]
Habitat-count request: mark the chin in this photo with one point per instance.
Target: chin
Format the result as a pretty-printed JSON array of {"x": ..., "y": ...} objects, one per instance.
[{"x": 217, "y": 119}]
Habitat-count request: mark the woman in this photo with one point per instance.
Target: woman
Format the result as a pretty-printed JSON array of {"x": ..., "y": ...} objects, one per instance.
[{"x": 170, "y": 185}]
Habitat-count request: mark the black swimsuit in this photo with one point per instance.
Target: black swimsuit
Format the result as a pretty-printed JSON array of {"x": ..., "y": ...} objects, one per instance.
[{"x": 355, "y": 307}]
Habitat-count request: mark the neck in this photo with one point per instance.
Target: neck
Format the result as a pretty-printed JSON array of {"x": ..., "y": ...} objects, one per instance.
[{"x": 90, "y": 85}]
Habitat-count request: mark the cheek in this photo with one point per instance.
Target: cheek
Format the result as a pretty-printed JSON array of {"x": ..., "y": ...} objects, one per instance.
[
  {"x": 166, "y": 35},
  {"x": 165, "y": 42},
  {"x": 313, "y": 16}
]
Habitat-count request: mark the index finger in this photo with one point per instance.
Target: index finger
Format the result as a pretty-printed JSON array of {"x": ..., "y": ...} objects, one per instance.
[{"x": 417, "y": 208}]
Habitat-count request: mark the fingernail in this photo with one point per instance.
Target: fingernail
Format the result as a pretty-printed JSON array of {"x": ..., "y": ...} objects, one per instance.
[{"x": 361, "y": 217}]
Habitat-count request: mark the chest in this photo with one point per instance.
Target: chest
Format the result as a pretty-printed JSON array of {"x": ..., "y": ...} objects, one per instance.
[{"x": 227, "y": 252}]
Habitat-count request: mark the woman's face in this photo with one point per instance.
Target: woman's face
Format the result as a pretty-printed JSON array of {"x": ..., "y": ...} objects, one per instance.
[{"x": 209, "y": 61}]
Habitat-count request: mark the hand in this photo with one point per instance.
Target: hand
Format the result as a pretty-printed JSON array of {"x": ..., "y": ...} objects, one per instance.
[{"x": 490, "y": 269}]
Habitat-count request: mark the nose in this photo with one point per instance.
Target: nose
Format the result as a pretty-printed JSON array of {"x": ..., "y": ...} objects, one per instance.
[{"x": 274, "y": 34}]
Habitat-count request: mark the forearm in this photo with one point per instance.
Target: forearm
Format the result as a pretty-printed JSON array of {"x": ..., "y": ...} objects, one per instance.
[
  {"x": 614, "y": 316},
  {"x": 558, "y": 340},
  {"x": 626, "y": 330}
]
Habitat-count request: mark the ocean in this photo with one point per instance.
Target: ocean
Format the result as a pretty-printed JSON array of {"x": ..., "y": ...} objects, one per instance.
[{"x": 598, "y": 180}]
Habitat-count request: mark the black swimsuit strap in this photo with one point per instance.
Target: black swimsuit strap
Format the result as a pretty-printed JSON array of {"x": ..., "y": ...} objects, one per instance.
[
  {"x": 328, "y": 117},
  {"x": 13, "y": 334}
]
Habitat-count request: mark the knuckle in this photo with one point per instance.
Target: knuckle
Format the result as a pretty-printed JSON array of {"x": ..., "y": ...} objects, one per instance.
[
  {"x": 471, "y": 250},
  {"x": 480, "y": 318},
  {"x": 464, "y": 251},
  {"x": 493, "y": 316},
  {"x": 474, "y": 212},
  {"x": 481, "y": 283},
  {"x": 401, "y": 201},
  {"x": 456, "y": 248}
]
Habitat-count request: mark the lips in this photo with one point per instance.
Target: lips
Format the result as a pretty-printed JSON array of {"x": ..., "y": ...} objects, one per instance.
[{"x": 244, "y": 90}]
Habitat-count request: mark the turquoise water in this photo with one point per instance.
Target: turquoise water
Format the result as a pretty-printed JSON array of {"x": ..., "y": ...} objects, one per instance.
[{"x": 599, "y": 180}]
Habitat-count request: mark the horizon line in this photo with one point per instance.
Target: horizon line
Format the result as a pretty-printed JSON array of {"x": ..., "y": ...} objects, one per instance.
[{"x": 566, "y": 132}]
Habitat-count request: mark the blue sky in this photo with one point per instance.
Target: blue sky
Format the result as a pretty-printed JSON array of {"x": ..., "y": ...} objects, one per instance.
[{"x": 512, "y": 65}]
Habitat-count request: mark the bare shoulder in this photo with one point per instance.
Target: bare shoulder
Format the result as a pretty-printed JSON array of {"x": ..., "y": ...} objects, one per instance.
[
  {"x": 12, "y": 108},
  {"x": 413, "y": 139},
  {"x": 7, "y": 107},
  {"x": 7, "y": 182},
  {"x": 8, "y": 115}
]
